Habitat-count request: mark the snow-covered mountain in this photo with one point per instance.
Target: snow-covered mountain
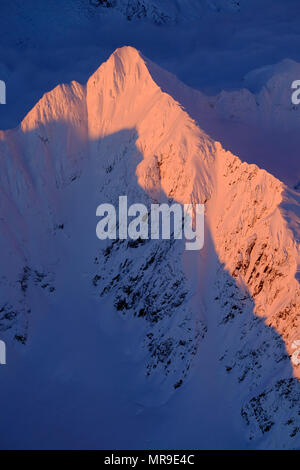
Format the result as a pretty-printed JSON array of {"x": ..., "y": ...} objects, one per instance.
[
  {"x": 166, "y": 11},
  {"x": 132, "y": 344}
]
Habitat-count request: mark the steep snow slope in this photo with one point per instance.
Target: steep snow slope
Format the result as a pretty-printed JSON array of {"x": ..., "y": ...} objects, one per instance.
[
  {"x": 142, "y": 332},
  {"x": 259, "y": 122}
]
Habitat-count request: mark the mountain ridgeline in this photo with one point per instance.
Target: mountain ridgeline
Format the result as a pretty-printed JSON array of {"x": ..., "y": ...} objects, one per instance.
[{"x": 223, "y": 319}]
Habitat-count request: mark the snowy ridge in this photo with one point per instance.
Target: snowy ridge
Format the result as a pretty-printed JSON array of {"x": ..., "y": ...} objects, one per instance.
[
  {"x": 167, "y": 311},
  {"x": 259, "y": 122}
]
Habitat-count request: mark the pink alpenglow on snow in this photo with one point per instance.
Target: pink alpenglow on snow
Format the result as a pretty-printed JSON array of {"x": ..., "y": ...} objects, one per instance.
[{"x": 168, "y": 326}]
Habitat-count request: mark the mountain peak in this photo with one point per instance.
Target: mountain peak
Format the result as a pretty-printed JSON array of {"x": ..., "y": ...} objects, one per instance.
[
  {"x": 127, "y": 53},
  {"x": 120, "y": 134},
  {"x": 124, "y": 69},
  {"x": 124, "y": 65},
  {"x": 123, "y": 61},
  {"x": 122, "y": 90}
]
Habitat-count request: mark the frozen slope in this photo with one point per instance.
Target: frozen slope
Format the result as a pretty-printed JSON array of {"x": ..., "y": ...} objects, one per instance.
[
  {"x": 140, "y": 344},
  {"x": 259, "y": 122}
]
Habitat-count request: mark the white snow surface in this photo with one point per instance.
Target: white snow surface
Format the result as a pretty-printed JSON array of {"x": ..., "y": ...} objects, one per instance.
[{"x": 141, "y": 344}]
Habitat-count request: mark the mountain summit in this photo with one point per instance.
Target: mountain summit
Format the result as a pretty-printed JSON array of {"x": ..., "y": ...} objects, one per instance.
[{"x": 143, "y": 331}]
